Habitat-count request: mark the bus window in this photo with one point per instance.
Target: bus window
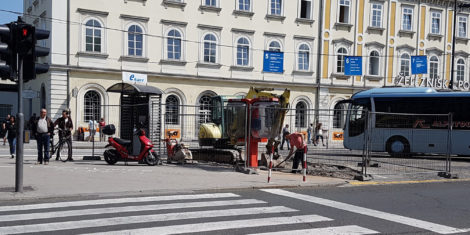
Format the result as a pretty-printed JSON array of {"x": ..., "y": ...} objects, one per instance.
[{"x": 358, "y": 117}]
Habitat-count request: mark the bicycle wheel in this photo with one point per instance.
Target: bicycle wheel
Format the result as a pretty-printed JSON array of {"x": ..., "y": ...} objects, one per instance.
[{"x": 64, "y": 151}]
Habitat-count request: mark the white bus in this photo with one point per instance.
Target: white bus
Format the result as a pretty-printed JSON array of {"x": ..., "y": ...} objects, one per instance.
[{"x": 402, "y": 121}]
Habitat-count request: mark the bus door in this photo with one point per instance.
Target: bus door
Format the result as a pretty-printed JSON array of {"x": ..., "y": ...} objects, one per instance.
[{"x": 356, "y": 124}]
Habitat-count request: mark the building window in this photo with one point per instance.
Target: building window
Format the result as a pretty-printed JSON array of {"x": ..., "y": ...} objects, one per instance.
[
  {"x": 434, "y": 67},
  {"x": 210, "y": 48},
  {"x": 460, "y": 70},
  {"x": 135, "y": 41},
  {"x": 435, "y": 22},
  {"x": 341, "y": 53},
  {"x": 212, "y": 3},
  {"x": 306, "y": 9},
  {"x": 276, "y": 7},
  {"x": 462, "y": 27},
  {"x": 304, "y": 58},
  {"x": 274, "y": 46},
  {"x": 43, "y": 97},
  {"x": 300, "y": 114},
  {"x": 376, "y": 20},
  {"x": 205, "y": 105},
  {"x": 174, "y": 45},
  {"x": 244, "y": 5},
  {"x": 243, "y": 52},
  {"x": 93, "y": 36},
  {"x": 339, "y": 115},
  {"x": 344, "y": 6},
  {"x": 92, "y": 106},
  {"x": 405, "y": 64},
  {"x": 172, "y": 110},
  {"x": 407, "y": 19},
  {"x": 374, "y": 63}
]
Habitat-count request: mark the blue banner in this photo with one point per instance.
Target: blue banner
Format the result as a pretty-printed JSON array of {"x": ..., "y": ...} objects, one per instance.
[
  {"x": 419, "y": 64},
  {"x": 353, "y": 65},
  {"x": 273, "y": 62}
]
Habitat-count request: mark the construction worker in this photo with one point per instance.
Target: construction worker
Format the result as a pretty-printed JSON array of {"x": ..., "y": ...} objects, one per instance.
[{"x": 296, "y": 140}]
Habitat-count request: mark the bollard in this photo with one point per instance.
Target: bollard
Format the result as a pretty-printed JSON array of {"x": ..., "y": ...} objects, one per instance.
[
  {"x": 305, "y": 164},
  {"x": 270, "y": 164}
]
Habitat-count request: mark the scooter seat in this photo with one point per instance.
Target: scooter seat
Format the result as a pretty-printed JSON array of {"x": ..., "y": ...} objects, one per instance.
[{"x": 122, "y": 141}]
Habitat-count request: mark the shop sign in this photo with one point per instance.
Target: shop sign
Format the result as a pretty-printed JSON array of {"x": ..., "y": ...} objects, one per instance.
[
  {"x": 273, "y": 62},
  {"x": 437, "y": 82},
  {"x": 134, "y": 78},
  {"x": 353, "y": 65}
]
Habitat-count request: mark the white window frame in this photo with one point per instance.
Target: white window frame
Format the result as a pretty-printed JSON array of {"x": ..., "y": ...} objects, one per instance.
[
  {"x": 281, "y": 8},
  {"x": 250, "y": 54},
  {"x": 408, "y": 60},
  {"x": 457, "y": 66},
  {"x": 434, "y": 15},
  {"x": 127, "y": 39},
  {"x": 250, "y": 5},
  {"x": 372, "y": 10},
  {"x": 309, "y": 57},
  {"x": 216, "y": 3},
  {"x": 462, "y": 19},
  {"x": 182, "y": 47},
  {"x": 337, "y": 59},
  {"x": 403, "y": 18},
  {"x": 269, "y": 48},
  {"x": 203, "y": 43},
  {"x": 430, "y": 66},
  {"x": 103, "y": 35},
  {"x": 299, "y": 15},
  {"x": 370, "y": 62},
  {"x": 339, "y": 10}
]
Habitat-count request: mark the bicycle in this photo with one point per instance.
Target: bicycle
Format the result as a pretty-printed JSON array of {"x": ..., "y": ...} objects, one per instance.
[{"x": 63, "y": 147}]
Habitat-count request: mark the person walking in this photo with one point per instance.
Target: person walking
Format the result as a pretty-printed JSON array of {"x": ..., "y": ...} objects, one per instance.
[
  {"x": 5, "y": 131},
  {"x": 285, "y": 132},
  {"x": 296, "y": 142},
  {"x": 92, "y": 124},
  {"x": 319, "y": 134},
  {"x": 309, "y": 133},
  {"x": 11, "y": 128},
  {"x": 65, "y": 123},
  {"x": 102, "y": 123},
  {"x": 43, "y": 130}
]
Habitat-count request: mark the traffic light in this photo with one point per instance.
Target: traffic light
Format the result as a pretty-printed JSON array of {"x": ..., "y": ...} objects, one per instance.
[
  {"x": 29, "y": 37},
  {"x": 8, "y": 52}
]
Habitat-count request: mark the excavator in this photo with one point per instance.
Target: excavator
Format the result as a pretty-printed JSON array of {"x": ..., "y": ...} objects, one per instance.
[{"x": 220, "y": 140}]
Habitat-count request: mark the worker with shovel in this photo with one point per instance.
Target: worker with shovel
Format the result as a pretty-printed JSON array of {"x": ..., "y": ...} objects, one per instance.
[{"x": 297, "y": 140}]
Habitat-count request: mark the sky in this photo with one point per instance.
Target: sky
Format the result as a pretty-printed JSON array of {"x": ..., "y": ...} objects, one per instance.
[{"x": 11, "y": 5}]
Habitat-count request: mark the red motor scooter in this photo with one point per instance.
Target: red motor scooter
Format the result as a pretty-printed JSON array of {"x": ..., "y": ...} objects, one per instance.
[{"x": 121, "y": 149}]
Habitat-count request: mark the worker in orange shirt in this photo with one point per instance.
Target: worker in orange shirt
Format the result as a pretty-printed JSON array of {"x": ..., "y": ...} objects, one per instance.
[{"x": 297, "y": 140}]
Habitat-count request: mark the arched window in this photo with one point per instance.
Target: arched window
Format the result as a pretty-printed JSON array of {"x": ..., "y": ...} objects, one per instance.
[
  {"x": 93, "y": 36},
  {"x": 405, "y": 64},
  {"x": 210, "y": 48},
  {"x": 339, "y": 115},
  {"x": 135, "y": 41},
  {"x": 301, "y": 114},
  {"x": 92, "y": 106},
  {"x": 243, "y": 52},
  {"x": 341, "y": 53},
  {"x": 434, "y": 67},
  {"x": 304, "y": 58},
  {"x": 460, "y": 70},
  {"x": 374, "y": 63},
  {"x": 205, "y": 106},
  {"x": 172, "y": 110},
  {"x": 274, "y": 46},
  {"x": 43, "y": 97},
  {"x": 174, "y": 45}
]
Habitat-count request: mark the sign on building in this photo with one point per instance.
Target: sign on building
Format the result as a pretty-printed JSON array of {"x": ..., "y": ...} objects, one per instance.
[
  {"x": 134, "y": 78},
  {"x": 353, "y": 65},
  {"x": 273, "y": 62},
  {"x": 419, "y": 65}
]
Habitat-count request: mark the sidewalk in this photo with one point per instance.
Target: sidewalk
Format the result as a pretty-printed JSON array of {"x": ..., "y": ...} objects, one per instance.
[
  {"x": 96, "y": 178},
  {"x": 75, "y": 145}
]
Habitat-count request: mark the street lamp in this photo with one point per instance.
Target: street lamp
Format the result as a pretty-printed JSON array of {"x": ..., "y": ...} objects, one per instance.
[{"x": 462, "y": 5}]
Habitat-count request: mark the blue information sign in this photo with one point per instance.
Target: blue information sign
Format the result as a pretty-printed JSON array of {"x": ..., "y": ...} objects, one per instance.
[
  {"x": 273, "y": 62},
  {"x": 353, "y": 65},
  {"x": 419, "y": 64}
]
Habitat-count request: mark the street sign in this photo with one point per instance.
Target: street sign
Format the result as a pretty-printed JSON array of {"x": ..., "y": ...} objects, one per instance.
[
  {"x": 353, "y": 65},
  {"x": 419, "y": 65},
  {"x": 273, "y": 62},
  {"x": 134, "y": 78},
  {"x": 30, "y": 94}
]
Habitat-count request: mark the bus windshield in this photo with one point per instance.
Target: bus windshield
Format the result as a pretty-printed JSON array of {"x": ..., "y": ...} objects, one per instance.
[{"x": 358, "y": 116}]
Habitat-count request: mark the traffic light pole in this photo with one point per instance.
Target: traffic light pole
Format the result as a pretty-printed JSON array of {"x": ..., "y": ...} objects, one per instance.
[{"x": 19, "y": 137}]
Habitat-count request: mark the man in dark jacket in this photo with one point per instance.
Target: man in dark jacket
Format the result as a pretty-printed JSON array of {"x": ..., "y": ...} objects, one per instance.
[
  {"x": 65, "y": 123},
  {"x": 43, "y": 130}
]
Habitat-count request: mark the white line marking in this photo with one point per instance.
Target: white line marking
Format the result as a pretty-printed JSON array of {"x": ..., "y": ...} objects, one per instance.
[
  {"x": 340, "y": 230},
  {"x": 99, "y": 211},
  {"x": 140, "y": 219},
  {"x": 437, "y": 228},
  {"x": 116, "y": 201},
  {"x": 213, "y": 226}
]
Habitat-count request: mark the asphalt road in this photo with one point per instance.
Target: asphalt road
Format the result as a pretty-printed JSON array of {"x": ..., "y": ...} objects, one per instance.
[{"x": 437, "y": 208}]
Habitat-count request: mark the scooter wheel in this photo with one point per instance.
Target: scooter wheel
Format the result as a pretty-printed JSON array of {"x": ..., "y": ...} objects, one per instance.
[
  {"x": 110, "y": 156},
  {"x": 152, "y": 159}
]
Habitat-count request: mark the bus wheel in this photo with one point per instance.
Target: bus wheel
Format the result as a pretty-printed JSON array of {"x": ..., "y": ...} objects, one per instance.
[{"x": 398, "y": 146}]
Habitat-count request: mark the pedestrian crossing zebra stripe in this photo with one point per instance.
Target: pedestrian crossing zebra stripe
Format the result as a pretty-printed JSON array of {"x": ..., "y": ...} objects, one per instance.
[
  {"x": 222, "y": 225},
  {"x": 110, "y": 210},
  {"x": 115, "y": 201},
  {"x": 90, "y": 223},
  {"x": 343, "y": 230}
]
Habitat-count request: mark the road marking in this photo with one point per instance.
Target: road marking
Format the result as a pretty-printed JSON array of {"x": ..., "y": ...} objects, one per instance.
[
  {"x": 407, "y": 182},
  {"x": 342, "y": 230},
  {"x": 222, "y": 225},
  {"x": 115, "y": 201},
  {"x": 30, "y": 228},
  {"x": 99, "y": 211},
  {"x": 437, "y": 228}
]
